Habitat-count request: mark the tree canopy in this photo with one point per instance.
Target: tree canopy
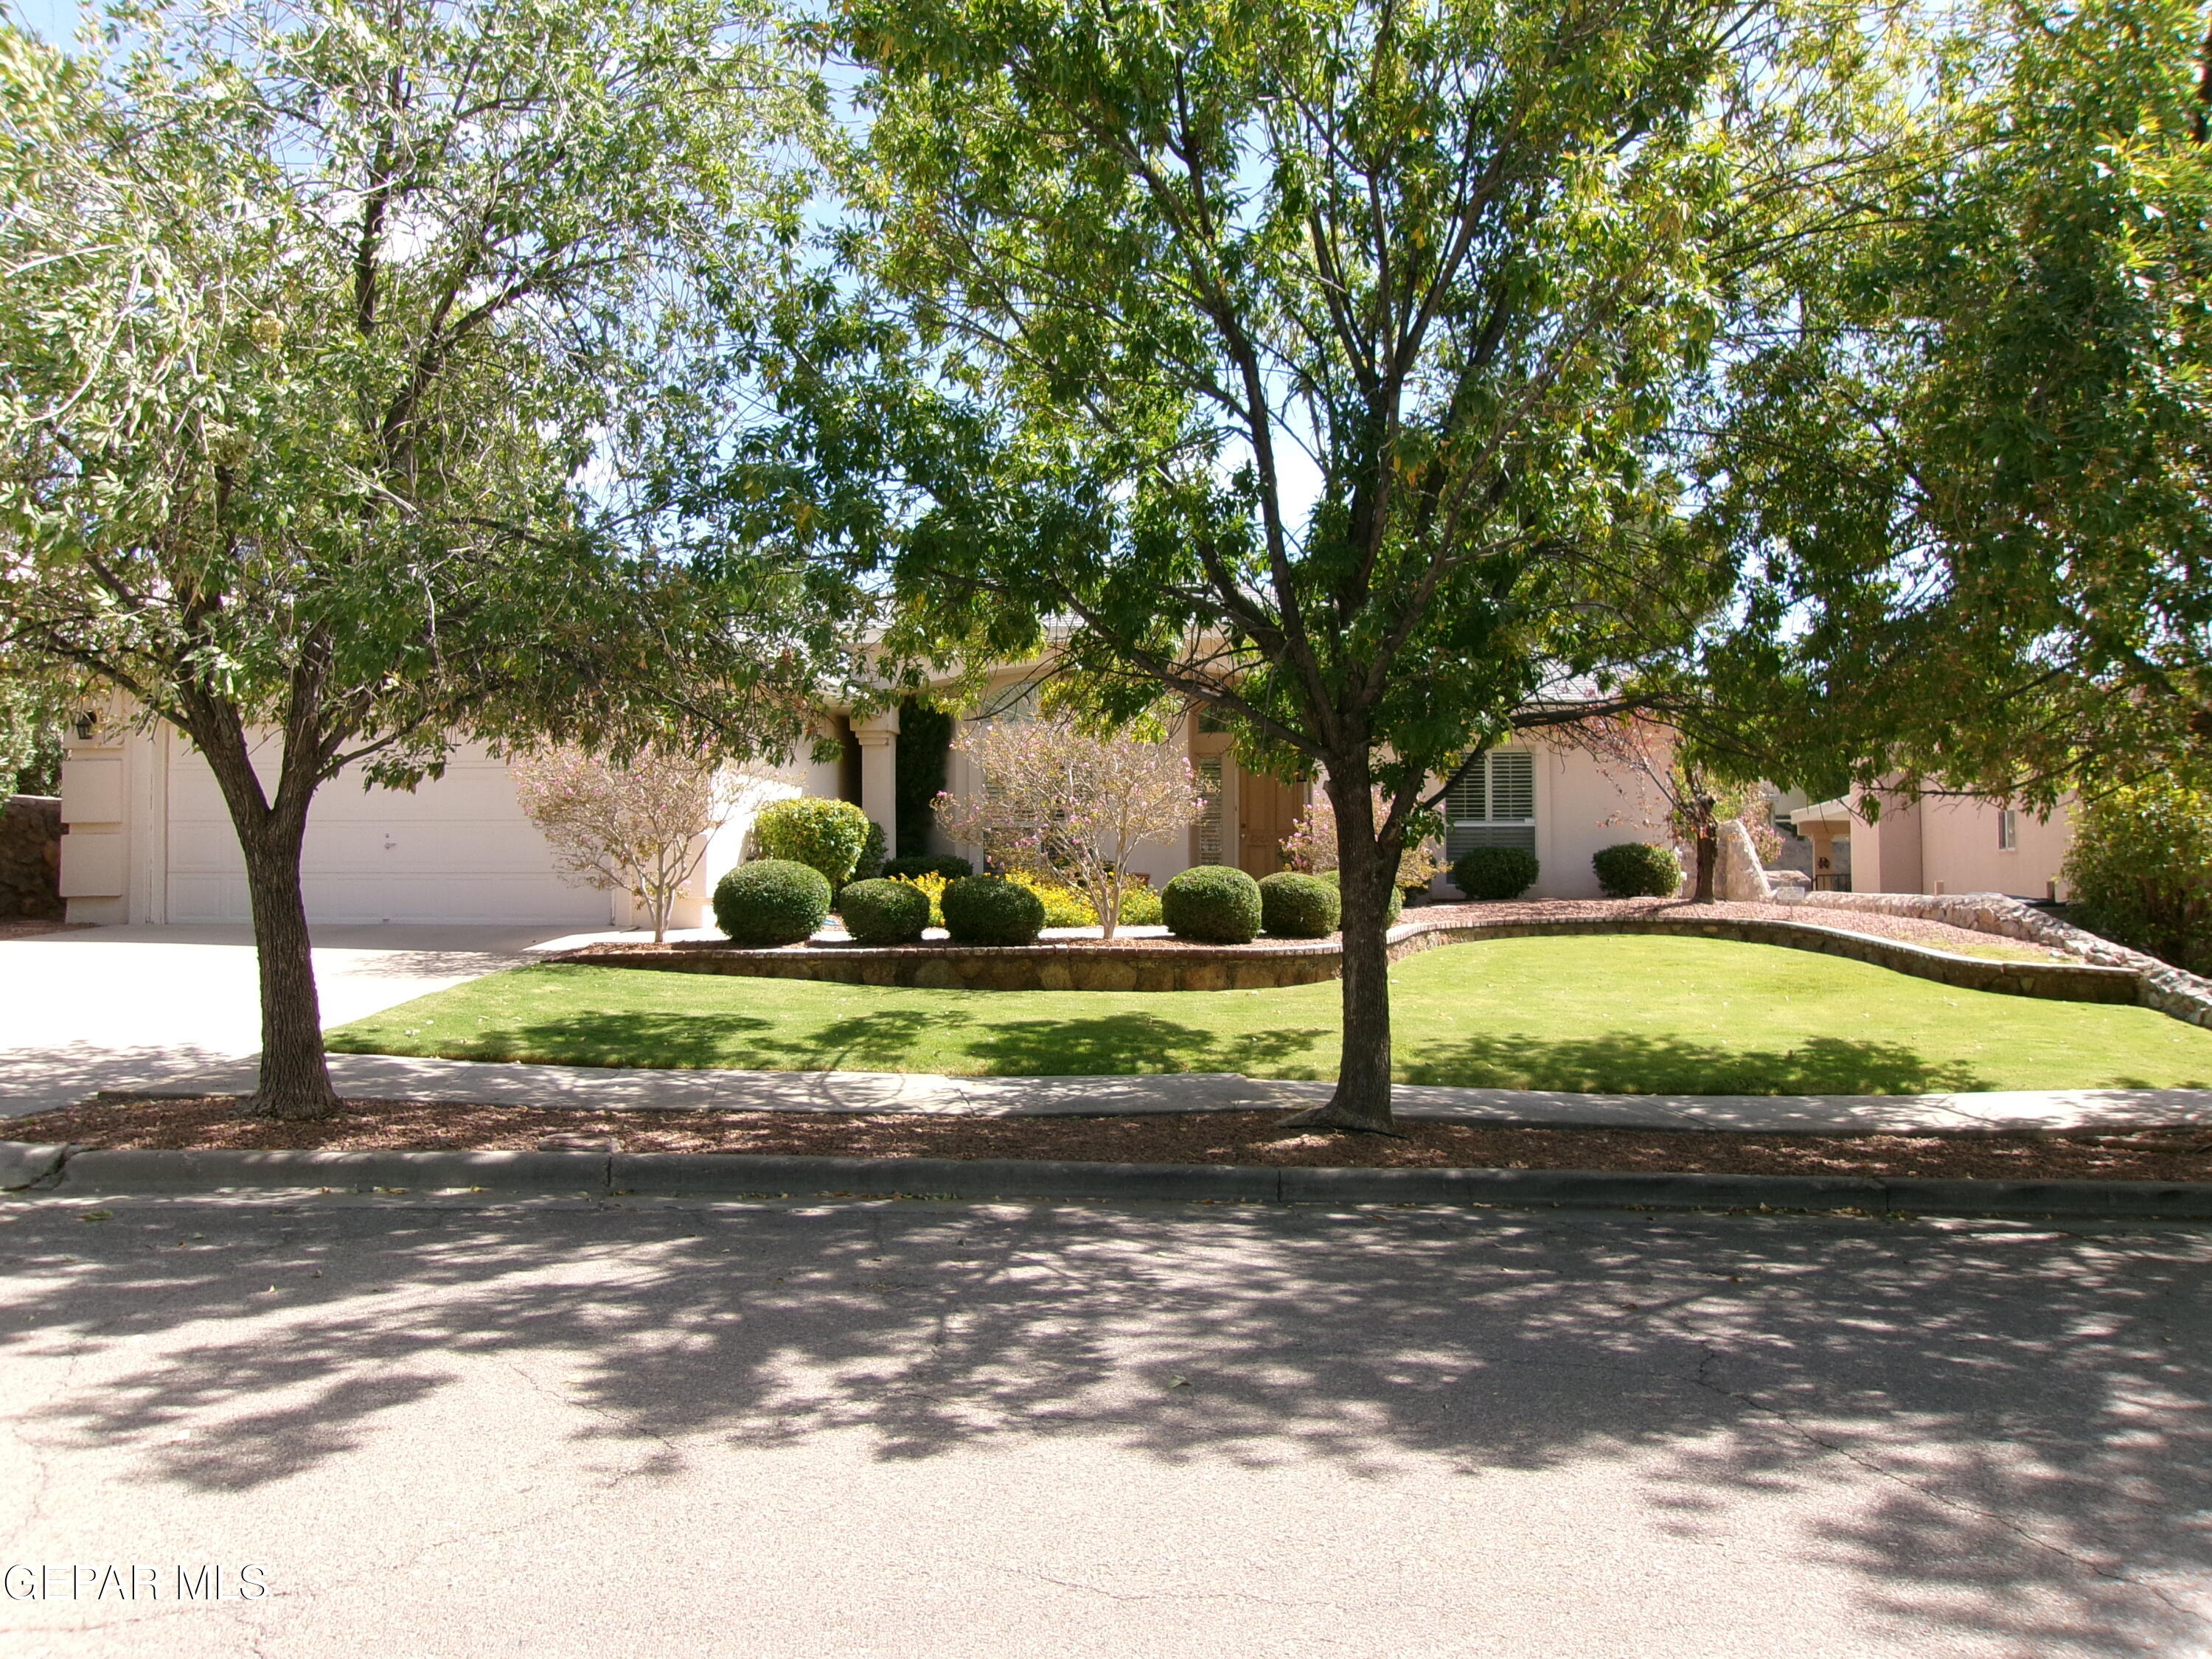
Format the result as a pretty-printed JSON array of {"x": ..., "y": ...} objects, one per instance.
[
  {"x": 352, "y": 359},
  {"x": 1313, "y": 362}
]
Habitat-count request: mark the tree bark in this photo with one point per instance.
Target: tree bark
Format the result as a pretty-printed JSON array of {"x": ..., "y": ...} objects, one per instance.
[
  {"x": 295, "y": 1075},
  {"x": 1709, "y": 854},
  {"x": 1365, "y": 874}
]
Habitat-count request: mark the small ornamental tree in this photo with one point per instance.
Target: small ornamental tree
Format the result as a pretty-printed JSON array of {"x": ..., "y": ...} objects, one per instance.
[
  {"x": 1696, "y": 801},
  {"x": 1064, "y": 804},
  {"x": 639, "y": 827}
]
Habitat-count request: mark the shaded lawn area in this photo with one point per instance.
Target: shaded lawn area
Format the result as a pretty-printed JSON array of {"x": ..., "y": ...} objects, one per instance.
[{"x": 1618, "y": 1014}]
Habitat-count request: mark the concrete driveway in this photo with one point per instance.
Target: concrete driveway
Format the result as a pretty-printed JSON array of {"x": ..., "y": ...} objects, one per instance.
[
  {"x": 104, "y": 1007},
  {"x": 936, "y": 1431}
]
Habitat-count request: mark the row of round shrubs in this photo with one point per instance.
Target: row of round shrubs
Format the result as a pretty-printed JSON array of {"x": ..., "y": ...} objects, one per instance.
[{"x": 775, "y": 901}]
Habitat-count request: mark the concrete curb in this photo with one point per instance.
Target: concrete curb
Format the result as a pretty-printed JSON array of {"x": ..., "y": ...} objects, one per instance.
[{"x": 70, "y": 1172}]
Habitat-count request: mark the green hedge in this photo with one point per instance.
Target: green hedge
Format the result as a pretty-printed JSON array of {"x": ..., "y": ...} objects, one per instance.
[
  {"x": 2141, "y": 870},
  {"x": 1294, "y": 906},
  {"x": 1494, "y": 872},
  {"x": 869, "y": 866},
  {"x": 984, "y": 910},
  {"x": 771, "y": 901},
  {"x": 1636, "y": 869},
  {"x": 829, "y": 835},
  {"x": 883, "y": 912},
  {"x": 1213, "y": 904}
]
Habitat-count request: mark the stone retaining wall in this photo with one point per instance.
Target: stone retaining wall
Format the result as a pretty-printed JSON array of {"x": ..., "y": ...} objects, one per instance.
[
  {"x": 2159, "y": 984},
  {"x": 1267, "y": 964},
  {"x": 31, "y": 858}
]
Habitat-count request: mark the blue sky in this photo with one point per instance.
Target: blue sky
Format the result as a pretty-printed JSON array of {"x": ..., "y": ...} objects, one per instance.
[{"x": 54, "y": 19}]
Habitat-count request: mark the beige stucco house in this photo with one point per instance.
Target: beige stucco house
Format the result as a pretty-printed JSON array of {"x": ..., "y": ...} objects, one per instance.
[
  {"x": 146, "y": 838},
  {"x": 1937, "y": 844}
]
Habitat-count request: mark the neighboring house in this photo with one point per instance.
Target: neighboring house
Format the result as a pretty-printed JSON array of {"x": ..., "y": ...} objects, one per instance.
[
  {"x": 1938, "y": 844},
  {"x": 147, "y": 838}
]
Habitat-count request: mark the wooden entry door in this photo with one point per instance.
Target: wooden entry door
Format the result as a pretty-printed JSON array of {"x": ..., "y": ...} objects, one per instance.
[{"x": 1267, "y": 809}]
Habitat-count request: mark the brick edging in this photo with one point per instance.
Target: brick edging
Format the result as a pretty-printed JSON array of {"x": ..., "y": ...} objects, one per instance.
[{"x": 67, "y": 1172}]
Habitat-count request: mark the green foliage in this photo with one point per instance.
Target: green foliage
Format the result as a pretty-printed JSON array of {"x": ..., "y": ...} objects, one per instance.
[
  {"x": 1140, "y": 907},
  {"x": 985, "y": 911},
  {"x": 33, "y": 709},
  {"x": 2140, "y": 871},
  {"x": 829, "y": 835},
  {"x": 1495, "y": 872},
  {"x": 1213, "y": 904},
  {"x": 1966, "y": 457},
  {"x": 1636, "y": 869},
  {"x": 869, "y": 866},
  {"x": 1294, "y": 906},
  {"x": 771, "y": 901},
  {"x": 878, "y": 912},
  {"x": 948, "y": 865}
]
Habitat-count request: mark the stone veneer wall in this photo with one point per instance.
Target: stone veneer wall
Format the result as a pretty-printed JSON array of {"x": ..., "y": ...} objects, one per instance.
[
  {"x": 2160, "y": 985},
  {"x": 1267, "y": 964},
  {"x": 31, "y": 858}
]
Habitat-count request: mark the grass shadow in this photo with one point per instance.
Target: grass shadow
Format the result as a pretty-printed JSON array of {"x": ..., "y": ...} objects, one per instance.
[
  {"x": 1132, "y": 1043},
  {"x": 1622, "y": 1063}
]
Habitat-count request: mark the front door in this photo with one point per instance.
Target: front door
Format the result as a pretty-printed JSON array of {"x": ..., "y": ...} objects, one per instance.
[{"x": 1267, "y": 809}]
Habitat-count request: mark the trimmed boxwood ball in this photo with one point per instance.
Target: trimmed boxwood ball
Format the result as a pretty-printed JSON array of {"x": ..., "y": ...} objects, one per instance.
[
  {"x": 771, "y": 901},
  {"x": 1494, "y": 872},
  {"x": 984, "y": 910},
  {"x": 1637, "y": 869},
  {"x": 1213, "y": 904},
  {"x": 1397, "y": 897},
  {"x": 1294, "y": 906},
  {"x": 883, "y": 912}
]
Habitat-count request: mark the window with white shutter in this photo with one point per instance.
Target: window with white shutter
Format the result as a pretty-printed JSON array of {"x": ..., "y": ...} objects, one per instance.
[{"x": 1493, "y": 804}]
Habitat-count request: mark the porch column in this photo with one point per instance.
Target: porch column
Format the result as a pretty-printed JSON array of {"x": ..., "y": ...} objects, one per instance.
[{"x": 877, "y": 736}]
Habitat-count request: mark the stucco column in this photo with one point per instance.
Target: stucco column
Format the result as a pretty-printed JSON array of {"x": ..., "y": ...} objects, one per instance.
[{"x": 877, "y": 736}]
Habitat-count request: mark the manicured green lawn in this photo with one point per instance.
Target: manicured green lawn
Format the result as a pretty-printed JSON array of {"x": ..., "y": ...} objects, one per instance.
[{"x": 1604, "y": 1014}]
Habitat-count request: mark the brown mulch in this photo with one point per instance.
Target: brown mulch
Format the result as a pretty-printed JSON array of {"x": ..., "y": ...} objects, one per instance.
[{"x": 1252, "y": 1138}]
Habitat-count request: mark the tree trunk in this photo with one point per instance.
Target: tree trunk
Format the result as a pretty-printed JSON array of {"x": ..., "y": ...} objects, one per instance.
[
  {"x": 1709, "y": 854},
  {"x": 1365, "y": 874},
  {"x": 295, "y": 1074}
]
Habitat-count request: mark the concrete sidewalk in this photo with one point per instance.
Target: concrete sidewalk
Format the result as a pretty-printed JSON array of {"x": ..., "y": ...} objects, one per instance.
[{"x": 581, "y": 1087}]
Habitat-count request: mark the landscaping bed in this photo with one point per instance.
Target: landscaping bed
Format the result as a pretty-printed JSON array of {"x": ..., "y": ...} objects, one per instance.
[{"x": 210, "y": 1123}]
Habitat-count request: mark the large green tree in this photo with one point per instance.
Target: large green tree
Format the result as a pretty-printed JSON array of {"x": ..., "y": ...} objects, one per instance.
[
  {"x": 350, "y": 359},
  {"x": 1310, "y": 361},
  {"x": 1965, "y": 454}
]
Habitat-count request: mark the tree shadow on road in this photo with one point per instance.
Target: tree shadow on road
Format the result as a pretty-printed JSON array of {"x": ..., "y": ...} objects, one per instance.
[{"x": 1982, "y": 1411}]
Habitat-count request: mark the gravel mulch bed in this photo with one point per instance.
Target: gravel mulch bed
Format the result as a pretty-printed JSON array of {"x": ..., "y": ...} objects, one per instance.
[
  {"x": 29, "y": 926},
  {"x": 1911, "y": 930},
  {"x": 1248, "y": 1137}
]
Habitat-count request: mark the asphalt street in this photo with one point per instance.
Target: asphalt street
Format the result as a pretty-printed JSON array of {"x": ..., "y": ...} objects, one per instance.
[{"x": 447, "y": 1428}]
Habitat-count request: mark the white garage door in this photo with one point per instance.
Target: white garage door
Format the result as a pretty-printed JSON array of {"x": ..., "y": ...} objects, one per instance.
[{"x": 457, "y": 849}]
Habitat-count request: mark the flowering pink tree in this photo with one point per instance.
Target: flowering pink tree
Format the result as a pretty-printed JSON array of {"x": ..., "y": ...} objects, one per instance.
[
  {"x": 1059, "y": 803},
  {"x": 640, "y": 828}
]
